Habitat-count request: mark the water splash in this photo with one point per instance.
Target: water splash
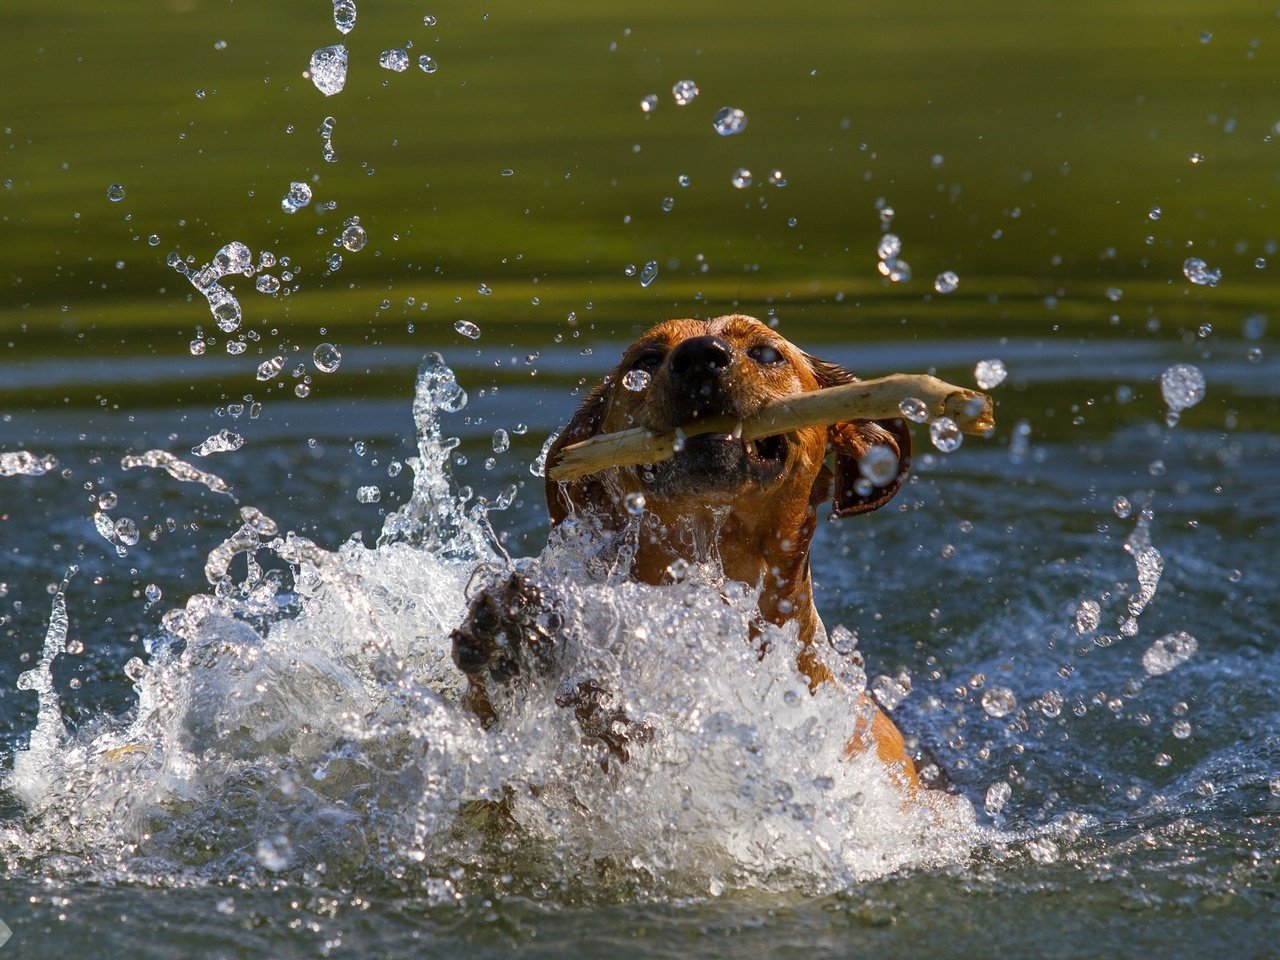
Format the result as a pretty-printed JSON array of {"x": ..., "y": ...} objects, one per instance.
[
  {"x": 223, "y": 441},
  {"x": 304, "y": 719},
  {"x": 729, "y": 121},
  {"x": 344, "y": 15},
  {"x": 684, "y": 92},
  {"x": 34, "y": 768},
  {"x": 23, "y": 463},
  {"x": 395, "y": 60},
  {"x": 178, "y": 469},
  {"x": 328, "y": 69},
  {"x": 232, "y": 258},
  {"x": 1150, "y": 565}
]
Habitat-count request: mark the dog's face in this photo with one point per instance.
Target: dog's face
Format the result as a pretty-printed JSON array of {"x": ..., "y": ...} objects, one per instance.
[{"x": 683, "y": 370}]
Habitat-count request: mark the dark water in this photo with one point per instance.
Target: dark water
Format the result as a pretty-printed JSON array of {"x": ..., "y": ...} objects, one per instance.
[{"x": 1024, "y": 149}]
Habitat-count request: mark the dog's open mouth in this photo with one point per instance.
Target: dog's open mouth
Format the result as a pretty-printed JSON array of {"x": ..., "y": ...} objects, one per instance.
[{"x": 717, "y": 461}]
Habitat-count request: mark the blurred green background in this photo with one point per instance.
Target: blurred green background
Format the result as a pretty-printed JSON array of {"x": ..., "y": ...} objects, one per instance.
[{"x": 1020, "y": 145}]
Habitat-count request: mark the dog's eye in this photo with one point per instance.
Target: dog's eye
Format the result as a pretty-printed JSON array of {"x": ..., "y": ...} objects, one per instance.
[
  {"x": 648, "y": 361},
  {"x": 765, "y": 355}
]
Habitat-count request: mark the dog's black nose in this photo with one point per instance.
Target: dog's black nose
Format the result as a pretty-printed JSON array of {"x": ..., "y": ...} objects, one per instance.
[
  {"x": 700, "y": 358},
  {"x": 697, "y": 373}
]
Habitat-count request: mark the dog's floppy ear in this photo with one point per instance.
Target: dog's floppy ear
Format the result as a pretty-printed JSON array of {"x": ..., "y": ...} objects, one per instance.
[
  {"x": 851, "y": 440},
  {"x": 570, "y": 496}
]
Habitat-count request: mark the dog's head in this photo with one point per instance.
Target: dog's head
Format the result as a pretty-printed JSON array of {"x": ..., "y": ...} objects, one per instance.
[{"x": 683, "y": 370}]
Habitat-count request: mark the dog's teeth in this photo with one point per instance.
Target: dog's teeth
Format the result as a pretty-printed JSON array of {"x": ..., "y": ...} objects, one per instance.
[
  {"x": 737, "y": 430},
  {"x": 751, "y": 448}
]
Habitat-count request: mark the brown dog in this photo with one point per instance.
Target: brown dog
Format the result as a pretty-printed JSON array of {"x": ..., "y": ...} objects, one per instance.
[{"x": 751, "y": 506}]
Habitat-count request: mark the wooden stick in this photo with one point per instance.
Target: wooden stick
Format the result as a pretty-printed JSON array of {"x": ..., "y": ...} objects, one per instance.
[{"x": 878, "y": 399}]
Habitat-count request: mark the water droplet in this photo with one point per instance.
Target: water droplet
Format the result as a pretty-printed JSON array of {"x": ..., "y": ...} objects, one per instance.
[
  {"x": 997, "y": 796},
  {"x": 777, "y": 178},
  {"x": 889, "y": 247},
  {"x": 274, "y": 853},
  {"x": 1155, "y": 213},
  {"x": 115, "y": 193},
  {"x": 1088, "y": 615},
  {"x": 684, "y": 91},
  {"x": 898, "y": 271},
  {"x": 270, "y": 368},
  {"x": 946, "y": 282},
  {"x": 326, "y": 357},
  {"x": 1196, "y": 158},
  {"x": 634, "y": 503},
  {"x": 235, "y": 347},
  {"x": 741, "y": 178},
  {"x": 1181, "y": 729},
  {"x": 668, "y": 203},
  {"x": 354, "y": 238},
  {"x": 729, "y": 121},
  {"x": 427, "y": 65},
  {"x": 369, "y": 494},
  {"x": 988, "y": 374},
  {"x": 1122, "y": 507},
  {"x": 153, "y": 593},
  {"x": 329, "y": 69},
  {"x": 266, "y": 283},
  {"x": 999, "y": 701},
  {"x": 649, "y": 103},
  {"x": 394, "y": 59},
  {"x": 914, "y": 409},
  {"x": 945, "y": 434},
  {"x": 1182, "y": 386},
  {"x": 344, "y": 15},
  {"x": 224, "y": 307},
  {"x": 1042, "y": 850},
  {"x": 127, "y": 531},
  {"x": 501, "y": 441},
  {"x": 198, "y": 348},
  {"x": 683, "y": 180},
  {"x": 428, "y": 21},
  {"x": 1199, "y": 272},
  {"x": 467, "y": 329},
  {"x": 649, "y": 273},
  {"x": 302, "y": 390},
  {"x": 1170, "y": 651},
  {"x": 1051, "y": 702},
  {"x": 879, "y": 465},
  {"x": 299, "y": 196},
  {"x": 636, "y": 380}
]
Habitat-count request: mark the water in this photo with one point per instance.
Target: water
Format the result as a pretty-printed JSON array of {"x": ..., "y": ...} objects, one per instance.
[
  {"x": 729, "y": 121},
  {"x": 329, "y": 69},
  {"x": 237, "y": 673},
  {"x": 395, "y": 60},
  {"x": 684, "y": 92}
]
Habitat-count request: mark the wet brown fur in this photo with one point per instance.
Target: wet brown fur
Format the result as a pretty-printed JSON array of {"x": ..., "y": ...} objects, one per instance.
[{"x": 755, "y": 515}]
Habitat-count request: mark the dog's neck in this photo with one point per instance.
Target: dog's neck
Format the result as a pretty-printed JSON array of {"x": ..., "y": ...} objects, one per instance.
[{"x": 775, "y": 559}]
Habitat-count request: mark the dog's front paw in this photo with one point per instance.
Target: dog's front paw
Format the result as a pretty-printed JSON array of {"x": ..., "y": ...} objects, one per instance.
[
  {"x": 602, "y": 719},
  {"x": 510, "y": 627}
]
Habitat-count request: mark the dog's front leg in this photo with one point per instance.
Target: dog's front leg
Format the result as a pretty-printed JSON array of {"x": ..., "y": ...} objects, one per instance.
[{"x": 511, "y": 629}]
